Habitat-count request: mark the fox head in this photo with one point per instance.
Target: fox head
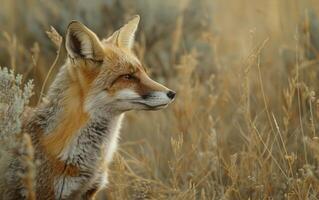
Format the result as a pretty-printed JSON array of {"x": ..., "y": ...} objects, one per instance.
[{"x": 110, "y": 76}]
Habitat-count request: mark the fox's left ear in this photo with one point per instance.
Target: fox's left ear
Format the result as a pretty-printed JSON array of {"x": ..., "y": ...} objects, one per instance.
[
  {"x": 124, "y": 37},
  {"x": 81, "y": 42}
]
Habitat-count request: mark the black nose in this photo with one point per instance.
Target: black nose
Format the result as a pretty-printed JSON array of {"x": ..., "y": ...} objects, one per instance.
[{"x": 171, "y": 94}]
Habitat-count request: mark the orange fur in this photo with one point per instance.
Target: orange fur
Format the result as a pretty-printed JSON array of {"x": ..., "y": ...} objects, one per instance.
[{"x": 74, "y": 116}]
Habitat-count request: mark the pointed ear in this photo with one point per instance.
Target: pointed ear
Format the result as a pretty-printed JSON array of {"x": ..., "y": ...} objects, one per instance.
[
  {"x": 124, "y": 37},
  {"x": 81, "y": 42}
]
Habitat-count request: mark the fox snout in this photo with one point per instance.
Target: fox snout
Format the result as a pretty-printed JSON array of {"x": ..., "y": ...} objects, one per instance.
[
  {"x": 157, "y": 99},
  {"x": 170, "y": 94},
  {"x": 152, "y": 94},
  {"x": 146, "y": 98}
]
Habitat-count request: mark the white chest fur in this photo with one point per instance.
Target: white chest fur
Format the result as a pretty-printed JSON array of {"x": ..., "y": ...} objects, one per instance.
[
  {"x": 107, "y": 144},
  {"x": 110, "y": 143}
]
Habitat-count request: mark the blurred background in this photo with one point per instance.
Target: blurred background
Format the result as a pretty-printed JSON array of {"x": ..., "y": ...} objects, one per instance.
[{"x": 245, "y": 121}]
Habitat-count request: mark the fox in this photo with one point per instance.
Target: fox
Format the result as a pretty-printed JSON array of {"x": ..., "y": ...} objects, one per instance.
[{"x": 75, "y": 131}]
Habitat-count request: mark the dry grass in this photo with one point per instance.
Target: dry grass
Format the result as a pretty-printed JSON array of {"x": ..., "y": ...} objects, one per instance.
[{"x": 245, "y": 121}]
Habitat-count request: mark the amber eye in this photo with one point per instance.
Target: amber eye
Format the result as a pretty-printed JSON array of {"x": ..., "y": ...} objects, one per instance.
[{"x": 128, "y": 77}]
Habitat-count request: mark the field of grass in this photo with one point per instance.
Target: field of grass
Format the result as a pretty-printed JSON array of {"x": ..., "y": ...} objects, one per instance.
[{"x": 245, "y": 121}]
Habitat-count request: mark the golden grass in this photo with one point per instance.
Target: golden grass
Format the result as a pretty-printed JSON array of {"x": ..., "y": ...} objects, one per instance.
[{"x": 245, "y": 121}]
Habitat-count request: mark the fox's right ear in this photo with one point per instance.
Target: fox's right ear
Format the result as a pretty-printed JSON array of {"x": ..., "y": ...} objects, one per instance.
[
  {"x": 124, "y": 37},
  {"x": 81, "y": 42}
]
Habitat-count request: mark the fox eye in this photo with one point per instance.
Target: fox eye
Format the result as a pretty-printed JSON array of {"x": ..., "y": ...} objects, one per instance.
[{"x": 128, "y": 77}]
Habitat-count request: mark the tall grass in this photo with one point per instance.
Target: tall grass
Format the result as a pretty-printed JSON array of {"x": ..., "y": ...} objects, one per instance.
[{"x": 245, "y": 121}]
